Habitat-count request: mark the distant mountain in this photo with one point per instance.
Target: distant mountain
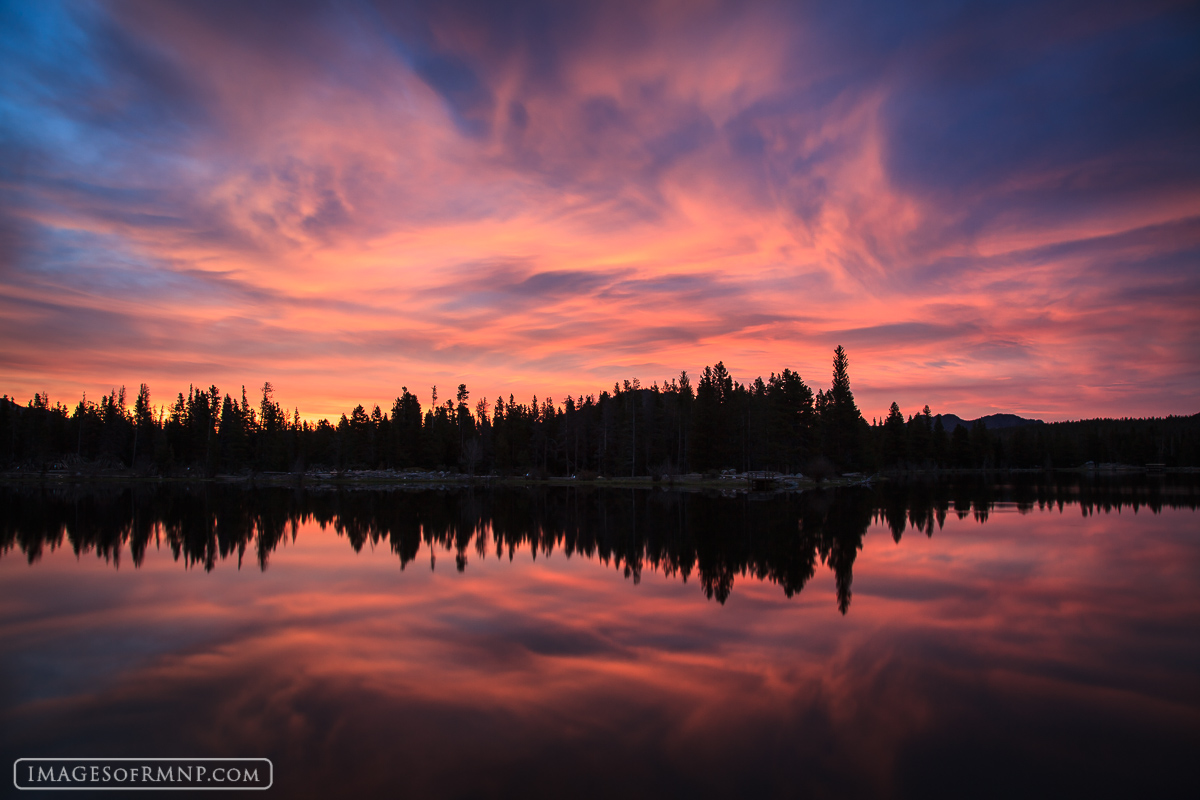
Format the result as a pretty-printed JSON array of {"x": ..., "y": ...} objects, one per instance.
[{"x": 993, "y": 422}]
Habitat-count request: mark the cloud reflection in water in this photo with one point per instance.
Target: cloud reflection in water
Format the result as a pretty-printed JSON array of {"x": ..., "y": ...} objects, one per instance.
[{"x": 1019, "y": 655}]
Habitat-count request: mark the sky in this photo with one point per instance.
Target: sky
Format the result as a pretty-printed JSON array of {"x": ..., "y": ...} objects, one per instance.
[{"x": 994, "y": 207}]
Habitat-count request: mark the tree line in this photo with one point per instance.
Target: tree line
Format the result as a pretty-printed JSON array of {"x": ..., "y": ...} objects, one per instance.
[{"x": 778, "y": 424}]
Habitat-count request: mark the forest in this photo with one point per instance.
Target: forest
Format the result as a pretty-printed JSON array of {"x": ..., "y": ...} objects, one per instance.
[{"x": 779, "y": 424}]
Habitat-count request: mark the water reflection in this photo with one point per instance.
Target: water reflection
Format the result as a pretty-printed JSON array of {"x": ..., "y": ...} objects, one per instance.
[
  {"x": 780, "y": 538},
  {"x": 1050, "y": 651}
]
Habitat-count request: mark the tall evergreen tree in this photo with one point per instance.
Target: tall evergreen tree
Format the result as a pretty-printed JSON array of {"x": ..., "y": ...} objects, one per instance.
[
  {"x": 713, "y": 421},
  {"x": 920, "y": 434},
  {"x": 842, "y": 422},
  {"x": 791, "y": 420},
  {"x": 143, "y": 422},
  {"x": 231, "y": 436},
  {"x": 407, "y": 446},
  {"x": 893, "y": 437}
]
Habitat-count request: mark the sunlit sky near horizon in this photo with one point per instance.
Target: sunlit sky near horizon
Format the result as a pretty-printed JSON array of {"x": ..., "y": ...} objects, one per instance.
[{"x": 993, "y": 207}]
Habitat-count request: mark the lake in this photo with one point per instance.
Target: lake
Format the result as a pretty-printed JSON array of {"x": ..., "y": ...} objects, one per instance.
[{"x": 972, "y": 638}]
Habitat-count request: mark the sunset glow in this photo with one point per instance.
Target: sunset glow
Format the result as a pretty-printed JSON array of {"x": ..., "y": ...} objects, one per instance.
[{"x": 994, "y": 209}]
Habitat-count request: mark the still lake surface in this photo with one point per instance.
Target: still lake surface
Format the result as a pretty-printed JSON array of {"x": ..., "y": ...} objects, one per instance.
[{"x": 963, "y": 639}]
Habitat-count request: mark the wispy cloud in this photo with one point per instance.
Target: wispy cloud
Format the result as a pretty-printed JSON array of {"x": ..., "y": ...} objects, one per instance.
[{"x": 993, "y": 207}]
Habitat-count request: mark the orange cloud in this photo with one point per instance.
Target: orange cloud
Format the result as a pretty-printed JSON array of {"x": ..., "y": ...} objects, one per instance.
[{"x": 349, "y": 205}]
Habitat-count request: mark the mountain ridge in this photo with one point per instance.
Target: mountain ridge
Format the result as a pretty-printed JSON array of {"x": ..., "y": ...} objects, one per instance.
[{"x": 993, "y": 422}]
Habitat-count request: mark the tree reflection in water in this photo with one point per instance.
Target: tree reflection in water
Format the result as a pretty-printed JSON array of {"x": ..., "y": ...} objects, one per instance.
[{"x": 711, "y": 537}]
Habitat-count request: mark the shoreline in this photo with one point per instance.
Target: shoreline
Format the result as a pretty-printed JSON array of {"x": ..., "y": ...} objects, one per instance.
[{"x": 741, "y": 482}]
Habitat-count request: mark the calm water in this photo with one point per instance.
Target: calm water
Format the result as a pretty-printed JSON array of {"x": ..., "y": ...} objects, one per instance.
[{"x": 965, "y": 640}]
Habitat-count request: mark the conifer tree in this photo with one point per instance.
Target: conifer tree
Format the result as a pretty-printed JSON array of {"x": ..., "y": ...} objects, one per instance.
[
  {"x": 143, "y": 420},
  {"x": 841, "y": 418},
  {"x": 893, "y": 437}
]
